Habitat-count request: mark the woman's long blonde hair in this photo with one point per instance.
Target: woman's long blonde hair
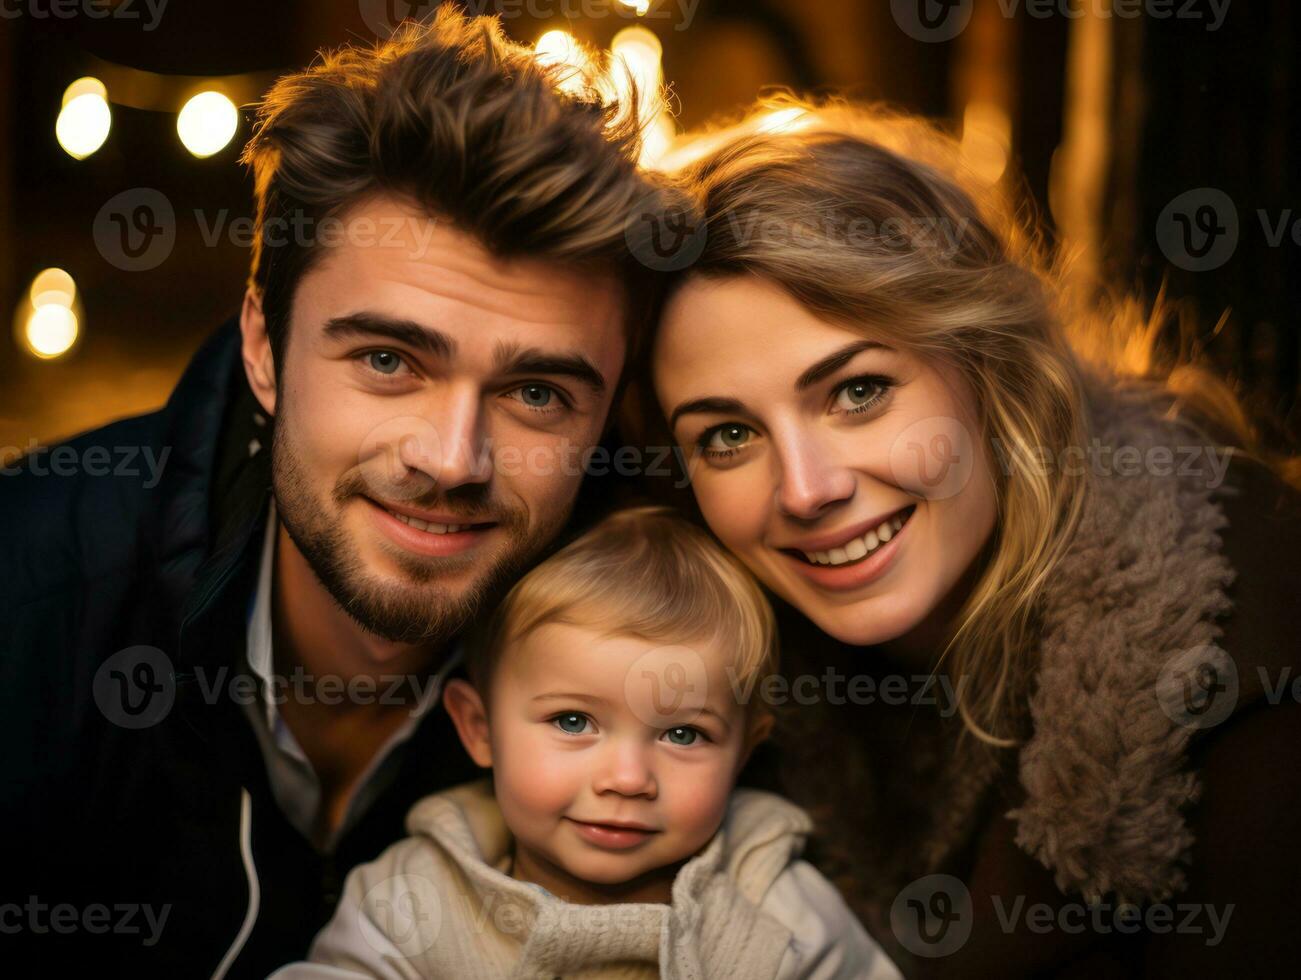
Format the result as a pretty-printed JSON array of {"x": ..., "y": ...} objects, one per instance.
[{"x": 886, "y": 229}]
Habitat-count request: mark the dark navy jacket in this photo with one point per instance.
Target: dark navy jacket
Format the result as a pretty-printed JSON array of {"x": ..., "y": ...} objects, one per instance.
[{"x": 128, "y": 784}]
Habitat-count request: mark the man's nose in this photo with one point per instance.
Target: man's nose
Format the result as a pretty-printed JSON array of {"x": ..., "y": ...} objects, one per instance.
[{"x": 454, "y": 449}]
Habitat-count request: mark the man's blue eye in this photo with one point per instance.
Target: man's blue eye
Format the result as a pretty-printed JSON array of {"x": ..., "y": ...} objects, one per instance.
[
  {"x": 384, "y": 361},
  {"x": 571, "y": 724},
  {"x": 536, "y": 396},
  {"x": 682, "y": 736}
]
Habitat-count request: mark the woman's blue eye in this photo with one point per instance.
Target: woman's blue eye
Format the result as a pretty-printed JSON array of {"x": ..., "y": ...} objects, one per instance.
[
  {"x": 682, "y": 736},
  {"x": 725, "y": 438},
  {"x": 572, "y": 724},
  {"x": 384, "y": 361},
  {"x": 860, "y": 394}
]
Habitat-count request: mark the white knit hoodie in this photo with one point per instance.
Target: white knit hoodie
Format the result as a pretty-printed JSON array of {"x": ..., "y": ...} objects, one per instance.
[{"x": 439, "y": 904}]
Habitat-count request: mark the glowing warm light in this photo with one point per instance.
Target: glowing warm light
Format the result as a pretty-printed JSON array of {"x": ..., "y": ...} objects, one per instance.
[
  {"x": 53, "y": 287},
  {"x": 51, "y": 330},
  {"x": 85, "y": 119},
  {"x": 49, "y": 320},
  {"x": 207, "y": 123},
  {"x": 635, "y": 59},
  {"x": 637, "y": 52},
  {"x": 658, "y": 140},
  {"x": 560, "y": 48},
  {"x": 641, "y": 6},
  {"x": 783, "y": 120},
  {"x": 986, "y": 140}
]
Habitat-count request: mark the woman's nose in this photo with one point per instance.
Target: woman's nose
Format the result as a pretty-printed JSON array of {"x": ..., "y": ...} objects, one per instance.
[{"x": 810, "y": 476}]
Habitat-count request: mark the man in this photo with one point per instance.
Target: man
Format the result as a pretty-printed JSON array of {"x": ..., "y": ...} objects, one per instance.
[{"x": 221, "y": 692}]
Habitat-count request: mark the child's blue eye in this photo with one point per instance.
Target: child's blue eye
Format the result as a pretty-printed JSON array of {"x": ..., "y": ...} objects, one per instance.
[
  {"x": 571, "y": 724},
  {"x": 682, "y": 736}
]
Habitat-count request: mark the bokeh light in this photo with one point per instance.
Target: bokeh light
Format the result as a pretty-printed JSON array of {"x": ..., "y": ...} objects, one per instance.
[
  {"x": 986, "y": 140},
  {"x": 49, "y": 320},
  {"x": 53, "y": 286},
  {"x": 51, "y": 331},
  {"x": 560, "y": 48},
  {"x": 85, "y": 119},
  {"x": 636, "y": 58},
  {"x": 207, "y": 123}
]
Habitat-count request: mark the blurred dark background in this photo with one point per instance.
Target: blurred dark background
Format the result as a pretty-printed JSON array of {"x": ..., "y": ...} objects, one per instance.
[{"x": 1159, "y": 138}]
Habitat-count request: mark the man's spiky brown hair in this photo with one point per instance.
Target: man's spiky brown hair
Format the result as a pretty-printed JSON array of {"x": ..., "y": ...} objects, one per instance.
[{"x": 468, "y": 125}]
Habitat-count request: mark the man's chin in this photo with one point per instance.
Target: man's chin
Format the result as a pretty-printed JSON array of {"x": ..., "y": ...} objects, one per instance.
[{"x": 406, "y": 614}]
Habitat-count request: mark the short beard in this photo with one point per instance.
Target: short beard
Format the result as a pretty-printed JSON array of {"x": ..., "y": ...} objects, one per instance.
[{"x": 397, "y": 613}]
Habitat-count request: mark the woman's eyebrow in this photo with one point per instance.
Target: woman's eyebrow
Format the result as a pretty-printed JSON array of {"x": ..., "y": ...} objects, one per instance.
[
  {"x": 700, "y": 405},
  {"x": 834, "y": 362},
  {"x": 827, "y": 365}
]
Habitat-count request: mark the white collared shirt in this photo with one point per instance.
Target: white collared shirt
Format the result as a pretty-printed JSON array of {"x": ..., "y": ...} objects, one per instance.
[{"x": 293, "y": 780}]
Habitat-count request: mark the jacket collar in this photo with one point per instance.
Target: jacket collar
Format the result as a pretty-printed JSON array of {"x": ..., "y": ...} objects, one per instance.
[
  {"x": 712, "y": 927},
  {"x": 1132, "y": 617},
  {"x": 1129, "y": 617},
  {"x": 214, "y": 496}
]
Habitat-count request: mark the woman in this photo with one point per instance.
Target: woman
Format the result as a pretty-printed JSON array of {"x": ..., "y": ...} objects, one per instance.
[{"x": 1051, "y": 623}]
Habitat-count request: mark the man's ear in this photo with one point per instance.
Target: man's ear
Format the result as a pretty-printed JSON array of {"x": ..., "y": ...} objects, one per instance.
[
  {"x": 470, "y": 717},
  {"x": 259, "y": 364}
]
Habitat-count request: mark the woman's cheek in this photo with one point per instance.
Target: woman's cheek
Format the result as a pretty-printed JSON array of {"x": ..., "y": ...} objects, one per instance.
[
  {"x": 932, "y": 457},
  {"x": 732, "y": 505}
]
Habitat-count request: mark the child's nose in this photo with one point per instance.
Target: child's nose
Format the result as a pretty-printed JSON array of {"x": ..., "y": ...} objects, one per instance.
[{"x": 625, "y": 770}]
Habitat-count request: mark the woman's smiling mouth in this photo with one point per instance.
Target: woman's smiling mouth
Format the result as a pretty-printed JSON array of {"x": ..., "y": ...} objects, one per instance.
[{"x": 846, "y": 561}]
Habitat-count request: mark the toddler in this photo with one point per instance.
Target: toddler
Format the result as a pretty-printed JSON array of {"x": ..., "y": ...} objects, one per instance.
[{"x": 610, "y": 695}]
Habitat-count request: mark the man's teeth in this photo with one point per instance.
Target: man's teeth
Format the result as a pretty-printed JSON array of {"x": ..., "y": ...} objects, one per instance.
[
  {"x": 420, "y": 525},
  {"x": 859, "y": 547}
]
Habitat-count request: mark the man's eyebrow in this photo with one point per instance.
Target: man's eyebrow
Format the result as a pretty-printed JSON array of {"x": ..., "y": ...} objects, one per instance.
[
  {"x": 414, "y": 335},
  {"x": 511, "y": 358},
  {"x": 730, "y": 406},
  {"x": 833, "y": 362}
]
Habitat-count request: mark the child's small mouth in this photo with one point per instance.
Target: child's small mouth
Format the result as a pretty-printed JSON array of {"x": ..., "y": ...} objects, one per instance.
[{"x": 612, "y": 836}]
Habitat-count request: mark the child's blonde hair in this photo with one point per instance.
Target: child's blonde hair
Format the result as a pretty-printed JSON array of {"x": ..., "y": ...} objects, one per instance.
[{"x": 644, "y": 572}]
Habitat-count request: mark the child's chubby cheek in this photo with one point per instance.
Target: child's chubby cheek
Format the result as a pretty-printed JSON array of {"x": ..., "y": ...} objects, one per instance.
[
  {"x": 538, "y": 783},
  {"x": 694, "y": 808}
]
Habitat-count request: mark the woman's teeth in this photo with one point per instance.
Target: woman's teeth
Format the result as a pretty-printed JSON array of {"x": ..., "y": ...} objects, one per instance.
[
  {"x": 420, "y": 525},
  {"x": 860, "y": 547}
]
